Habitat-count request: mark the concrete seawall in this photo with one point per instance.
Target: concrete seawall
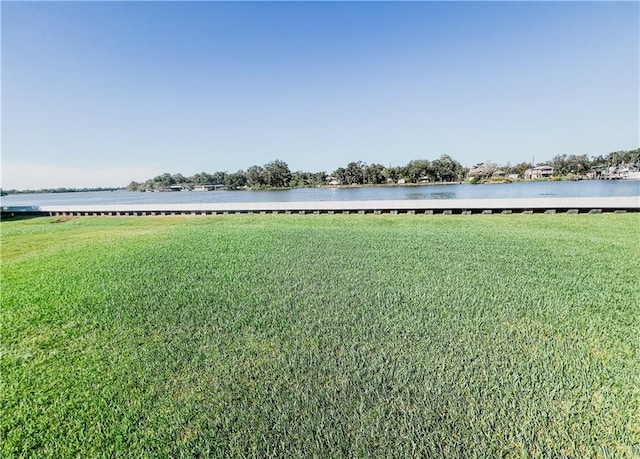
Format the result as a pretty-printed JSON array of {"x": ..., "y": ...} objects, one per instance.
[{"x": 426, "y": 206}]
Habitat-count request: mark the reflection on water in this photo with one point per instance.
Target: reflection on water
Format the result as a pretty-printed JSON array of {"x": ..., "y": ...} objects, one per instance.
[
  {"x": 432, "y": 195},
  {"x": 586, "y": 188},
  {"x": 442, "y": 195}
]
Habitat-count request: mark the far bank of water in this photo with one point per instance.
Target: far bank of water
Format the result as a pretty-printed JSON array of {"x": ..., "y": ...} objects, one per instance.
[{"x": 587, "y": 188}]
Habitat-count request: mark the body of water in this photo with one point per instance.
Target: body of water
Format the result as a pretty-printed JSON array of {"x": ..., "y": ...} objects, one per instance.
[{"x": 586, "y": 188}]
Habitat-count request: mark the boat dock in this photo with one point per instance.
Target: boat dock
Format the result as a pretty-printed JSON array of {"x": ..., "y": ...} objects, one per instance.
[{"x": 426, "y": 206}]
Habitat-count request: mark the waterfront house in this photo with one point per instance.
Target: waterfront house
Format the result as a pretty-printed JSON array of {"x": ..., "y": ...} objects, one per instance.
[
  {"x": 207, "y": 187},
  {"x": 538, "y": 172},
  {"x": 482, "y": 170}
]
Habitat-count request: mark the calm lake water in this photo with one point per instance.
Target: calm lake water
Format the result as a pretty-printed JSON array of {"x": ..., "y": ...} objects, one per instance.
[{"x": 587, "y": 188}]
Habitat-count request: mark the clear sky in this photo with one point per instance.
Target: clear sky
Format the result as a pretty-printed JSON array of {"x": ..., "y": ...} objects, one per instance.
[{"x": 102, "y": 93}]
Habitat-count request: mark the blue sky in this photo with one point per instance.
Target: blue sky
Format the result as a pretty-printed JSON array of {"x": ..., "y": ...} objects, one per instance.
[{"x": 102, "y": 93}]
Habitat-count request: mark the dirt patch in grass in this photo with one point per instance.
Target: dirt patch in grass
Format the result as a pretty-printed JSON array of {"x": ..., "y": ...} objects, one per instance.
[{"x": 63, "y": 219}]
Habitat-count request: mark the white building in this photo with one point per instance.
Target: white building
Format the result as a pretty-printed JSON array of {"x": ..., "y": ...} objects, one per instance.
[{"x": 538, "y": 172}]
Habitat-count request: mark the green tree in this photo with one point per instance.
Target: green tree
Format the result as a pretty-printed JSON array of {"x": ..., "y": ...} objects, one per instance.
[
  {"x": 340, "y": 174},
  {"x": 579, "y": 164},
  {"x": 255, "y": 176},
  {"x": 163, "y": 181},
  {"x": 392, "y": 173},
  {"x": 235, "y": 180},
  {"x": 520, "y": 168},
  {"x": 570, "y": 164},
  {"x": 560, "y": 165},
  {"x": 179, "y": 178},
  {"x": 417, "y": 168},
  {"x": 318, "y": 178},
  {"x": 373, "y": 174},
  {"x": 446, "y": 169},
  {"x": 218, "y": 178},
  {"x": 277, "y": 174},
  {"x": 307, "y": 179},
  {"x": 628, "y": 157},
  {"x": 300, "y": 179},
  {"x": 354, "y": 173},
  {"x": 201, "y": 178}
]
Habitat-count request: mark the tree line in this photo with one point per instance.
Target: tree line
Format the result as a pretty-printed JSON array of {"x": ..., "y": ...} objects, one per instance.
[
  {"x": 277, "y": 174},
  {"x": 580, "y": 164}
]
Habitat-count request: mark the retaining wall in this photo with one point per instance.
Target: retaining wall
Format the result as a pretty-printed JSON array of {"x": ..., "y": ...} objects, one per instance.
[{"x": 428, "y": 206}]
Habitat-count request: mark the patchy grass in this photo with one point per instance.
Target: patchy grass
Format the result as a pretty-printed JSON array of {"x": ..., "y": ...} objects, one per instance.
[{"x": 327, "y": 336}]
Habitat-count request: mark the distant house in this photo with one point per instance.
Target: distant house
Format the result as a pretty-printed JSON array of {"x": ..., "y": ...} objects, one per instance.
[
  {"x": 538, "y": 172},
  {"x": 513, "y": 176},
  {"x": 477, "y": 171},
  {"x": 597, "y": 172},
  {"x": 482, "y": 170},
  {"x": 207, "y": 187},
  {"x": 499, "y": 174},
  {"x": 628, "y": 172},
  {"x": 333, "y": 181},
  {"x": 622, "y": 171}
]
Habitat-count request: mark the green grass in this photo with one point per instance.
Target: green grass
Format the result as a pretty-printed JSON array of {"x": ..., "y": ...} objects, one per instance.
[{"x": 321, "y": 336}]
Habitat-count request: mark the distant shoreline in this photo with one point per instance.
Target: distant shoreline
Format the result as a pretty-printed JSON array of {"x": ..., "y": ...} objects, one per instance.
[
  {"x": 354, "y": 185},
  {"x": 60, "y": 190}
]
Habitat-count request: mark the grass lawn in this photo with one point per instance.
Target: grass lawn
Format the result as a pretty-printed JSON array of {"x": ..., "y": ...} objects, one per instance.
[{"x": 326, "y": 336}]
